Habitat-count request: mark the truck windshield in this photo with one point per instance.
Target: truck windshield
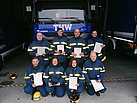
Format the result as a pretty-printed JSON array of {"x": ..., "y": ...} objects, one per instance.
[{"x": 61, "y": 14}]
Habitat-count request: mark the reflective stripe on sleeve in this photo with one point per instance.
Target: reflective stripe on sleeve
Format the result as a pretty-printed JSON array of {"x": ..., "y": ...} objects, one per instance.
[
  {"x": 64, "y": 43},
  {"x": 31, "y": 74},
  {"x": 59, "y": 72},
  {"x": 100, "y": 54},
  {"x": 44, "y": 76},
  {"x": 26, "y": 77},
  {"x": 72, "y": 44},
  {"x": 81, "y": 78},
  {"x": 77, "y": 75},
  {"x": 84, "y": 72},
  {"x": 52, "y": 46},
  {"x": 51, "y": 72},
  {"x": 102, "y": 71},
  {"x": 30, "y": 50},
  {"x": 46, "y": 58},
  {"x": 56, "y": 42},
  {"x": 70, "y": 74},
  {"x": 66, "y": 78},
  {"x": 90, "y": 44},
  {"x": 89, "y": 68},
  {"x": 68, "y": 47},
  {"x": 82, "y": 44},
  {"x": 63, "y": 76}
]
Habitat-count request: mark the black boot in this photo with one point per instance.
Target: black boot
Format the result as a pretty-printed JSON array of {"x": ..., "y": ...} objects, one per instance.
[{"x": 98, "y": 94}]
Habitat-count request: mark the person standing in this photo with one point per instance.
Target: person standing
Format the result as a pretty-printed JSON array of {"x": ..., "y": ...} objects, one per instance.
[
  {"x": 77, "y": 43},
  {"x": 33, "y": 50},
  {"x": 60, "y": 40},
  {"x": 91, "y": 44}
]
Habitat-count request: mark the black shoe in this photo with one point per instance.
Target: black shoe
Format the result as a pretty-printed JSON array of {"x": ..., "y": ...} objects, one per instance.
[
  {"x": 53, "y": 95},
  {"x": 97, "y": 93}
]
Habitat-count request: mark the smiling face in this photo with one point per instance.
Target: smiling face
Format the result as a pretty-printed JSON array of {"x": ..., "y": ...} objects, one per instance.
[
  {"x": 35, "y": 62},
  {"x": 54, "y": 61},
  {"x": 94, "y": 34},
  {"x": 60, "y": 32},
  {"x": 77, "y": 33},
  {"x": 39, "y": 36},
  {"x": 74, "y": 63},
  {"x": 93, "y": 56}
]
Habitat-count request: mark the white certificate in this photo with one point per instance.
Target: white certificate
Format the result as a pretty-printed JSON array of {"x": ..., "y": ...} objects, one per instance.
[
  {"x": 60, "y": 47},
  {"x": 72, "y": 83},
  {"x": 97, "y": 47},
  {"x": 77, "y": 51},
  {"x": 40, "y": 50},
  {"x": 97, "y": 85},
  {"x": 38, "y": 79}
]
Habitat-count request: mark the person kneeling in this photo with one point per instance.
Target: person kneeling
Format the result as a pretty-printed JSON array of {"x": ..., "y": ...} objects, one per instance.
[
  {"x": 74, "y": 71},
  {"x": 32, "y": 88},
  {"x": 94, "y": 70},
  {"x": 54, "y": 78}
]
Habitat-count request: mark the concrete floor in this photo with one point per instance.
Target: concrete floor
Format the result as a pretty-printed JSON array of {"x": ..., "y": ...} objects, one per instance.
[{"x": 117, "y": 91}]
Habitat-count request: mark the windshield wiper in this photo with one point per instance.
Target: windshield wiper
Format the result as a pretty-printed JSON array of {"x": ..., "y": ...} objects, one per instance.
[
  {"x": 73, "y": 18},
  {"x": 49, "y": 19}
]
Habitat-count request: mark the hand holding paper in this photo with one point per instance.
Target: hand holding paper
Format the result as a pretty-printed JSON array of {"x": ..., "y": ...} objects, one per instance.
[
  {"x": 72, "y": 83},
  {"x": 98, "y": 47},
  {"x": 97, "y": 85},
  {"x": 38, "y": 79}
]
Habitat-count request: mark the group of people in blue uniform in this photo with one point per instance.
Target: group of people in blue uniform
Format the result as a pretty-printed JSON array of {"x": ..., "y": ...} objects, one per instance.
[{"x": 57, "y": 71}]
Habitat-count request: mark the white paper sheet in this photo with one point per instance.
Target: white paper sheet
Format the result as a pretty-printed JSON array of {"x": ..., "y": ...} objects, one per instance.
[
  {"x": 60, "y": 47},
  {"x": 38, "y": 79},
  {"x": 97, "y": 85},
  {"x": 40, "y": 50},
  {"x": 77, "y": 51},
  {"x": 72, "y": 83},
  {"x": 97, "y": 47}
]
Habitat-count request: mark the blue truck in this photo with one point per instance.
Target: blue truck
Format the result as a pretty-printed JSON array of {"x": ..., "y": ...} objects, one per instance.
[
  {"x": 121, "y": 26},
  {"x": 12, "y": 37},
  {"x": 48, "y": 15}
]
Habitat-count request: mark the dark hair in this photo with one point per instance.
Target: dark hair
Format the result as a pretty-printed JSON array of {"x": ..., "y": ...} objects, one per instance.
[
  {"x": 74, "y": 59},
  {"x": 59, "y": 29},
  {"x": 34, "y": 58},
  {"x": 57, "y": 60}
]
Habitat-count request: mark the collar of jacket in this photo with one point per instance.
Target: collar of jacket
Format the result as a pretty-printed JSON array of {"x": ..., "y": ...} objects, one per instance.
[
  {"x": 60, "y": 36},
  {"x": 54, "y": 66},
  {"x": 92, "y": 61},
  {"x": 39, "y": 42},
  {"x": 36, "y": 67},
  {"x": 73, "y": 68},
  {"x": 76, "y": 38}
]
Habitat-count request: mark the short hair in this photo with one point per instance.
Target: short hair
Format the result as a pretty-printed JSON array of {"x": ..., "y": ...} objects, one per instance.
[
  {"x": 59, "y": 29},
  {"x": 93, "y": 52},
  {"x": 38, "y": 32},
  {"x": 74, "y": 59},
  {"x": 34, "y": 58},
  {"x": 57, "y": 60}
]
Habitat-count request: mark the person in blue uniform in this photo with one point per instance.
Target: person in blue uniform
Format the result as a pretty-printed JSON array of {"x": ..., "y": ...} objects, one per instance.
[
  {"x": 54, "y": 78},
  {"x": 91, "y": 44},
  {"x": 60, "y": 40},
  {"x": 35, "y": 68},
  {"x": 80, "y": 43},
  {"x": 74, "y": 71},
  {"x": 93, "y": 69},
  {"x": 33, "y": 50}
]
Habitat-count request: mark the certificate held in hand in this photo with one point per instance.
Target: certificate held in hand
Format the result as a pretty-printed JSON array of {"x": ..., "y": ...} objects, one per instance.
[
  {"x": 38, "y": 79},
  {"x": 60, "y": 48},
  {"x": 97, "y": 85},
  {"x": 97, "y": 47},
  {"x": 40, "y": 50},
  {"x": 77, "y": 51},
  {"x": 72, "y": 83}
]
